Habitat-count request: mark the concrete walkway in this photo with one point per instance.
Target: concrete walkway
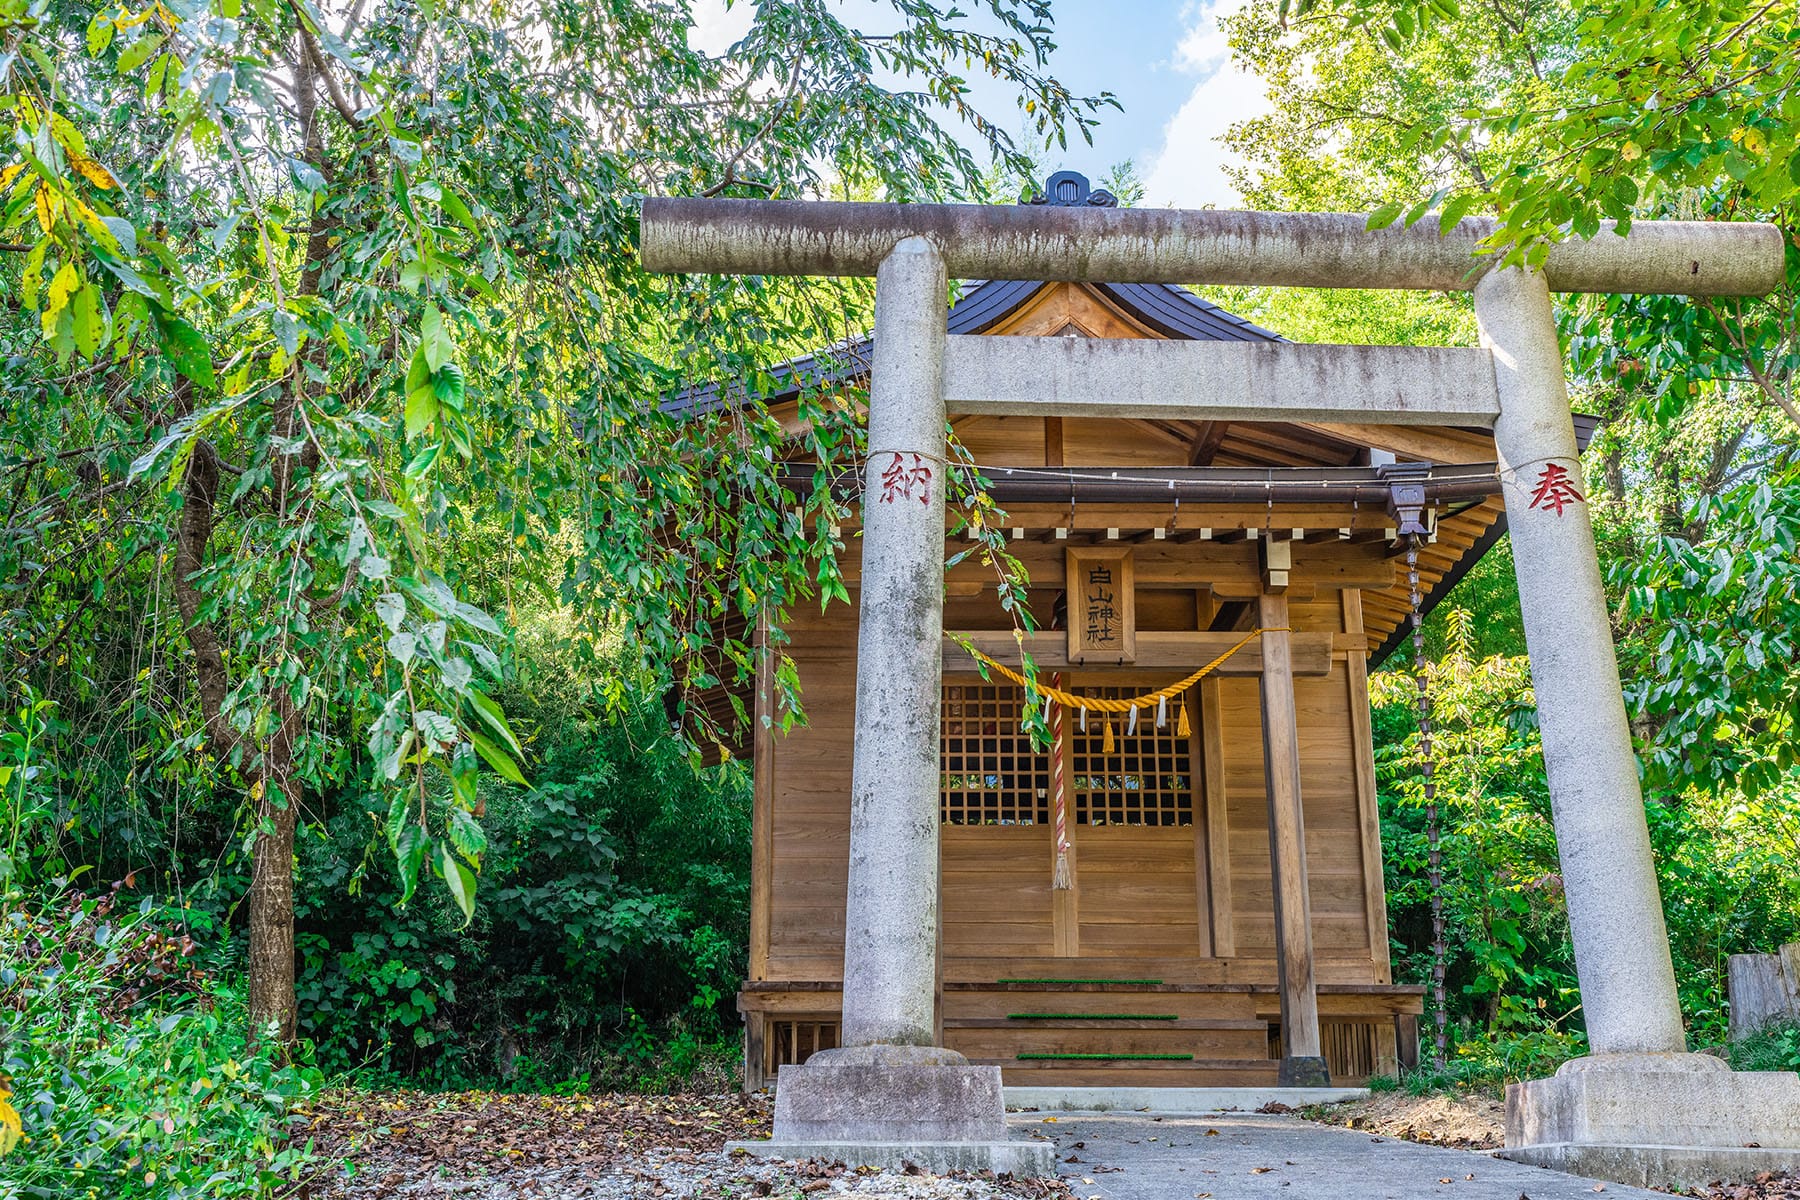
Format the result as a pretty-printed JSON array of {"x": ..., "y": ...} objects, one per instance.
[{"x": 1244, "y": 1156}]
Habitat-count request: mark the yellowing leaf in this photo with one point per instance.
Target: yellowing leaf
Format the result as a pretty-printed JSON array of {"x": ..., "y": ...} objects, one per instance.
[
  {"x": 93, "y": 172},
  {"x": 69, "y": 137},
  {"x": 63, "y": 286},
  {"x": 47, "y": 207},
  {"x": 11, "y": 1128},
  {"x": 11, "y": 173}
]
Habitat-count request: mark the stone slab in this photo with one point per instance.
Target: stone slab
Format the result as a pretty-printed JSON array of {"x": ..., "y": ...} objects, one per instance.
[
  {"x": 1172, "y": 1100},
  {"x": 1668, "y": 1167},
  {"x": 880, "y": 1102},
  {"x": 1219, "y": 381},
  {"x": 1253, "y": 1156},
  {"x": 1025, "y": 1159},
  {"x": 1655, "y": 1100}
]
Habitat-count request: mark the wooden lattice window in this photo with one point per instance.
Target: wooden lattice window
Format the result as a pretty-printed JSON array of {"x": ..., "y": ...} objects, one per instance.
[
  {"x": 1146, "y": 780},
  {"x": 992, "y": 774}
]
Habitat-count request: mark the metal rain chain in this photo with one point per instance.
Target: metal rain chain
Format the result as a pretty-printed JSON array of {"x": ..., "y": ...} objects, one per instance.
[{"x": 1428, "y": 777}]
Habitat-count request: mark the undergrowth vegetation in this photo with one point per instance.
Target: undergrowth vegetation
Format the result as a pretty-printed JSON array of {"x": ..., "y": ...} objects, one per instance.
[{"x": 133, "y": 1071}]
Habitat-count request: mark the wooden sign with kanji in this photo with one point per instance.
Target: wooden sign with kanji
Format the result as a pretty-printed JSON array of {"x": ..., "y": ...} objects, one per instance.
[{"x": 1102, "y": 605}]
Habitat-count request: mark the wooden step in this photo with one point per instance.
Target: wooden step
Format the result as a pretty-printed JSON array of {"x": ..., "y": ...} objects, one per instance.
[
  {"x": 1108, "y": 1021},
  {"x": 1198, "y": 1072},
  {"x": 1099, "y": 981},
  {"x": 1000, "y": 1002},
  {"x": 1106, "y": 1037},
  {"x": 1103, "y": 1058}
]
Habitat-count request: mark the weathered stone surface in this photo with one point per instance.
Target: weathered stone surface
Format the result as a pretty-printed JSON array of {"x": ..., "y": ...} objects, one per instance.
[
  {"x": 1304, "y": 1071},
  {"x": 1609, "y": 879},
  {"x": 1675, "y": 1168},
  {"x": 888, "y": 1102},
  {"x": 1024, "y": 1159},
  {"x": 1219, "y": 381},
  {"x": 1674, "y": 1100},
  {"x": 1166, "y": 245},
  {"x": 891, "y": 905}
]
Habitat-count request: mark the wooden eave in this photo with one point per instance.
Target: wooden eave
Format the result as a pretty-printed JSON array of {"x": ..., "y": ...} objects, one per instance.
[{"x": 1464, "y": 532}]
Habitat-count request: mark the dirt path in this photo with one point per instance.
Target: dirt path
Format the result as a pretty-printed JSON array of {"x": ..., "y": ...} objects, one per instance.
[{"x": 1461, "y": 1121}]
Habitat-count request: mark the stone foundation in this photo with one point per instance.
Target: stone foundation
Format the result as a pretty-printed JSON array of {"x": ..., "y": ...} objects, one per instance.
[
  {"x": 1035, "y": 1160},
  {"x": 885, "y": 1106},
  {"x": 1656, "y": 1120}
]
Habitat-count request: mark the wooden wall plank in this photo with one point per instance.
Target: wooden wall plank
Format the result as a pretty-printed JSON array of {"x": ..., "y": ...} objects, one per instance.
[
  {"x": 1356, "y": 684},
  {"x": 1287, "y": 840},
  {"x": 762, "y": 808}
]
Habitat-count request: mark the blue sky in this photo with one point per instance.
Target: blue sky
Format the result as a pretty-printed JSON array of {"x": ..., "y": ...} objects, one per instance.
[{"x": 1167, "y": 62}]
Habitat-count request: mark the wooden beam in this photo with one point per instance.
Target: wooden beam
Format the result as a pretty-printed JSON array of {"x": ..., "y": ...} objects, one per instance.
[
  {"x": 1308, "y": 654},
  {"x": 1220, "y": 381},
  {"x": 1368, "y": 811},
  {"x": 1207, "y": 442},
  {"x": 1168, "y": 563},
  {"x": 1302, "y": 1053},
  {"x": 1053, "y": 442},
  {"x": 1213, "y": 824},
  {"x": 1427, "y": 445}
]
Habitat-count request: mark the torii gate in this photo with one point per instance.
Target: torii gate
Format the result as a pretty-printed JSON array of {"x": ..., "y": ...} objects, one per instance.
[{"x": 889, "y": 1091}]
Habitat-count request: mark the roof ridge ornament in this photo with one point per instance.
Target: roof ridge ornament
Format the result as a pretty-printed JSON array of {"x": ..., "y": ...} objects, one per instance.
[{"x": 1070, "y": 189}]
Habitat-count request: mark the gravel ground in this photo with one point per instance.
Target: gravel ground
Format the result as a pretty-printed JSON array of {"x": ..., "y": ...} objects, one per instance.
[
  {"x": 705, "y": 1175},
  {"x": 487, "y": 1146}
]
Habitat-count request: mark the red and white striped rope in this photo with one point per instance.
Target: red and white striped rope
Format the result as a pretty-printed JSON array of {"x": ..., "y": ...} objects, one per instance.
[{"x": 1059, "y": 802}]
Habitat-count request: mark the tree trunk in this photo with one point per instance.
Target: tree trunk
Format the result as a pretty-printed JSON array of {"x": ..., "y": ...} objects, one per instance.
[
  {"x": 273, "y": 1006},
  {"x": 271, "y": 902}
]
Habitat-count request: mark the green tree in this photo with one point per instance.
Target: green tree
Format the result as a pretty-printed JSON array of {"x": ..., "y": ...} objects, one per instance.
[{"x": 327, "y": 334}]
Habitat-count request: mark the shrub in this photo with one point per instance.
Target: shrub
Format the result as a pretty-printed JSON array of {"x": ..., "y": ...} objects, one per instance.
[
  {"x": 1773, "y": 1047},
  {"x": 129, "y": 1067}
]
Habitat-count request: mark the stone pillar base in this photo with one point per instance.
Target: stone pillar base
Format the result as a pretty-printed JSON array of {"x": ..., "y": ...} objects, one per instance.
[
  {"x": 884, "y": 1106},
  {"x": 1304, "y": 1071},
  {"x": 1655, "y": 1120},
  {"x": 1025, "y": 1160}
]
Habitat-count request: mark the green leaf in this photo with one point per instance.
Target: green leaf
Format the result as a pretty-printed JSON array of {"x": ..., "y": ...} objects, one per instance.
[
  {"x": 1384, "y": 216},
  {"x": 138, "y": 53},
  {"x": 1455, "y": 210},
  {"x": 390, "y": 607},
  {"x": 491, "y": 716},
  {"x": 410, "y": 845},
  {"x": 421, "y": 398},
  {"x": 457, "y": 209},
  {"x": 466, "y": 832},
  {"x": 434, "y": 340},
  {"x": 89, "y": 324},
  {"x": 448, "y": 386},
  {"x": 460, "y": 879},
  {"x": 500, "y": 760},
  {"x": 424, "y": 460},
  {"x": 185, "y": 349}
]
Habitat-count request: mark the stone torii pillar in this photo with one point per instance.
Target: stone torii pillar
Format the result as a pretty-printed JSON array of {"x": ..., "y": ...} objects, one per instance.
[
  {"x": 1638, "y": 1108},
  {"x": 1609, "y": 878}
]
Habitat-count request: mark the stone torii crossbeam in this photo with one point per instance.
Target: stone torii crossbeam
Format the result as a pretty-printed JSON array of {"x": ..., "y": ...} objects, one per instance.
[{"x": 889, "y": 1092}]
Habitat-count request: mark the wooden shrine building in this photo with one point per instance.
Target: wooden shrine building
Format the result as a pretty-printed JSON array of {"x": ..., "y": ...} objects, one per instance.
[{"x": 1155, "y": 546}]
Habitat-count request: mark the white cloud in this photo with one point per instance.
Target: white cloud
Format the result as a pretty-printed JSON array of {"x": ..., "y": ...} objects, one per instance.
[
  {"x": 716, "y": 27},
  {"x": 1189, "y": 170}
]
